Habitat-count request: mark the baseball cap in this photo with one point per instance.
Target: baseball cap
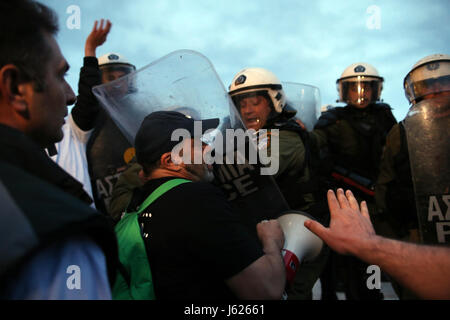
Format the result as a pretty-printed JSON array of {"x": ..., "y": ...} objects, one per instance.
[{"x": 153, "y": 138}]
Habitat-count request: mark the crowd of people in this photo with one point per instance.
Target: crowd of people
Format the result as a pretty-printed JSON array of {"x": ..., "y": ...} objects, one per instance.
[{"x": 142, "y": 224}]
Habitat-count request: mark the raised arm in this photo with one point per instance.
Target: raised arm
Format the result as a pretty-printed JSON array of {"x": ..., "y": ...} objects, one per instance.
[
  {"x": 97, "y": 37},
  {"x": 87, "y": 107}
]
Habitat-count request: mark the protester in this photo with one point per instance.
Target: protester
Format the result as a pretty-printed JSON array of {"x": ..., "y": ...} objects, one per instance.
[
  {"x": 196, "y": 246},
  {"x": 47, "y": 234}
]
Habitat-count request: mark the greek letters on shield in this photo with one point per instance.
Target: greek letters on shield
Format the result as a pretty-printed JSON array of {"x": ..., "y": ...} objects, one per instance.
[{"x": 437, "y": 224}]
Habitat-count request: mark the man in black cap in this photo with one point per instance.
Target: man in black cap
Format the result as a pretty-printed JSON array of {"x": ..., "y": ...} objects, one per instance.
[{"x": 196, "y": 246}]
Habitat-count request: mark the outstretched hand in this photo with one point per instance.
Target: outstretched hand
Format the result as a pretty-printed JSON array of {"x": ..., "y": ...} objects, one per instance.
[
  {"x": 350, "y": 225},
  {"x": 97, "y": 37}
]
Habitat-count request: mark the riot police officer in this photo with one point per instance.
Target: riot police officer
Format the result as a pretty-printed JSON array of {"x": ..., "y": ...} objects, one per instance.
[
  {"x": 351, "y": 140},
  {"x": 427, "y": 82},
  {"x": 259, "y": 97},
  {"x": 258, "y": 94},
  {"x": 108, "y": 151}
]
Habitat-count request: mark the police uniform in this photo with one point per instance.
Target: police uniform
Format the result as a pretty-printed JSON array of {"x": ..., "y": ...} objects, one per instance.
[
  {"x": 106, "y": 154},
  {"x": 353, "y": 139},
  {"x": 108, "y": 151},
  {"x": 294, "y": 177},
  {"x": 123, "y": 189},
  {"x": 394, "y": 192}
]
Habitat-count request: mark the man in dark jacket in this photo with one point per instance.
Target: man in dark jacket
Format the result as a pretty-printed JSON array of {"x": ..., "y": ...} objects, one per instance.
[{"x": 54, "y": 245}]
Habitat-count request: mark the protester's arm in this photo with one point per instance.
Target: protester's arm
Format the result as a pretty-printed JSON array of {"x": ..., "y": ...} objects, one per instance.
[
  {"x": 265, "y": 277},
  {"x": 423, "y": 269},
  {"x": 96, "y": 38},
  {"x": 87, "y": 107}
]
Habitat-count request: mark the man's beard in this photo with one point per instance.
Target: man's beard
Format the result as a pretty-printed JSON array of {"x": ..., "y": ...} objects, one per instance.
[{"x": 206, "y": 175}]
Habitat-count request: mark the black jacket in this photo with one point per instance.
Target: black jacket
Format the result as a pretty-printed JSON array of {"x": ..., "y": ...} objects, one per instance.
[{"x": 37, "y": 192}]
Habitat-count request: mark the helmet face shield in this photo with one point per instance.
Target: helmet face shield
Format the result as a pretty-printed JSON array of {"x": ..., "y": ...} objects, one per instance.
[
  {"x": 111, "y": 72},
  {"x": 359, "y": 91},
  {"x": 427, "y": 79},
  {"x": 255, "y": 108},
  {"x": 359, "y": 85},
  {"x": 259, "y": 79},
  {"x": 253, "y": 96}
]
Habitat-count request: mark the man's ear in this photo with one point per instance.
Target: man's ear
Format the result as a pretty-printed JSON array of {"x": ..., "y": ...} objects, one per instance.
[
  {"x": 167, "y": 162},
  {"x": 13, "y": 90}
]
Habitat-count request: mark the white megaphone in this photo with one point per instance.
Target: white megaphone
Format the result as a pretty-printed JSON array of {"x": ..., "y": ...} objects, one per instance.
[{"x": 300, "y": 244}]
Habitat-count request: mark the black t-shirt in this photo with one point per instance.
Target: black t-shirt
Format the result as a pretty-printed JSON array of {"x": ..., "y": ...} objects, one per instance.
[{"x": 194, "y": 241}]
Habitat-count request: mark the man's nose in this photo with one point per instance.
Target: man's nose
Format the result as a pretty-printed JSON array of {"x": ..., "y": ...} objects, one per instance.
[
  {"x": 71, "y": 98},
  {"x": 246, "y": 109}
]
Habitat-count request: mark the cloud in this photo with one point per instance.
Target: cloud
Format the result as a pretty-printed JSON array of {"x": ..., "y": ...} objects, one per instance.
[{"x": 301, "y": 41}]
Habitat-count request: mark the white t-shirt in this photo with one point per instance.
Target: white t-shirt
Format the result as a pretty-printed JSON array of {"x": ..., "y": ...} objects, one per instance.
[{"x": 71, "y": 154}]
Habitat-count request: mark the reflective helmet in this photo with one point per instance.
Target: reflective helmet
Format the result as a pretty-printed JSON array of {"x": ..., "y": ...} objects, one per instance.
[
  {"x": 112, "y": 62},
  {"x": 429, "y": 75},
  {"x": 358, "y": 78},
  {"x": 253, "y": 81}
]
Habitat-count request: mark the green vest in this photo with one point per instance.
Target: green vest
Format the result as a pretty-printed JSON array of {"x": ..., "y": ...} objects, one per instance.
[{"x": 134, "y": 278}]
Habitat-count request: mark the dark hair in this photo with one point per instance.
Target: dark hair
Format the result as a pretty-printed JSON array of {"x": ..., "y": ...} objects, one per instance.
[
  {"x": 23, "y": 24},
  {"x": 150, "y": 167}
]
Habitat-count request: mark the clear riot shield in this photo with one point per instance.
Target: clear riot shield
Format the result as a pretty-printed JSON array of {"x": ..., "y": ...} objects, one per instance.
[
  {"x": 187, "y": 82},
  {"x": 427, "y": 128},
  {"x": 305, "y": 99}
]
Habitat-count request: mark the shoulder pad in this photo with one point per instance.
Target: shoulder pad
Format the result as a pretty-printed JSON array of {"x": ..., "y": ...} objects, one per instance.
[
  {"x": 290, "y": 125},
  {"x": 329, "y": 117}
]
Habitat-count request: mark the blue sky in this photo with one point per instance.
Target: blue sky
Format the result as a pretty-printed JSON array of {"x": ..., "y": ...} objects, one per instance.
[{"x": 309, "y": 42}]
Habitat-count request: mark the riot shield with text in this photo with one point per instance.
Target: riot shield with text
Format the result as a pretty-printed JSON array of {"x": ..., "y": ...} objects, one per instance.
[
  {"x": 305, "y": 99},
  {"x": 244, "y": 167},
  {"x": 428, "y": 136},
  {"x": 187, "y": 82}
]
